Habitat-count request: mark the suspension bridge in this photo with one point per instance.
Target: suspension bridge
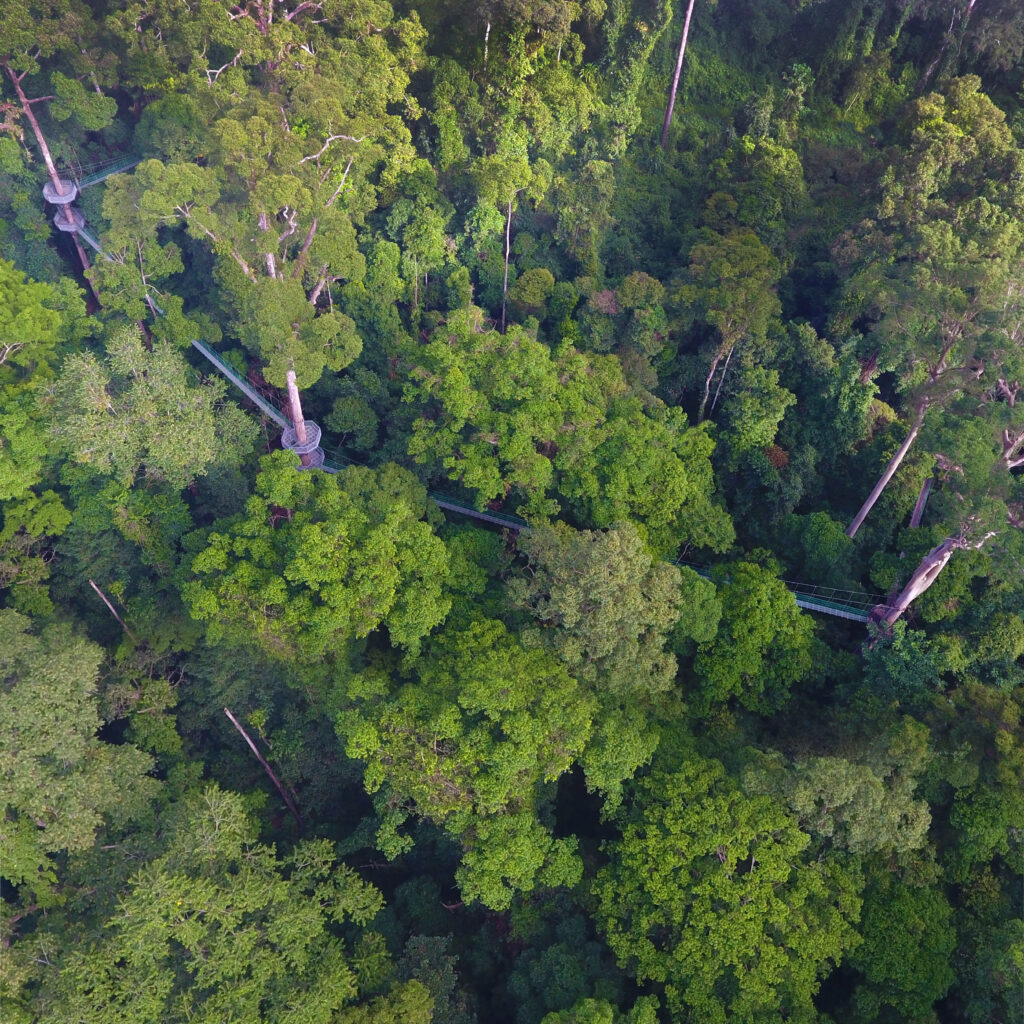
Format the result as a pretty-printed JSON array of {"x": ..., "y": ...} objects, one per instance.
[
  {"x": 61, "y": 192},
  {"x": 842, "y": 604}
]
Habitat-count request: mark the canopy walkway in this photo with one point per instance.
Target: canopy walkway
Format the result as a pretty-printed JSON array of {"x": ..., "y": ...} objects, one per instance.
[
  {"x": 842, "y": 604},
  {"x": 106, "y": 170}
]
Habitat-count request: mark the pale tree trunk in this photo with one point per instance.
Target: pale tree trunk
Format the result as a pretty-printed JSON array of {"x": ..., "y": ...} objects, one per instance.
[
  {"x": 946, "y": 40},
  {"x": 675, "y": 77},
  {"x": 721, "y": 380},
  {"x": 1013, "y": 448},
  {"x": 927, "y": 573},
  {"x": 298, "y": 422},
  {"x": 321, "y": 283},
  {"x": 727, "y": 353},
  {"x": 289, "y": 803},
  {"x": 923, "y": 577},
  {"x": 890, "y": 471},
  {"x": 922, "y": 500},
  {"x": 26, "y": 106},
  {"x": 504, "y": 287}
]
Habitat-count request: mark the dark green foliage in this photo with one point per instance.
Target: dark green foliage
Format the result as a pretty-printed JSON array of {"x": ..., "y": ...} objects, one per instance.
[{"x": 602, "y": 767}]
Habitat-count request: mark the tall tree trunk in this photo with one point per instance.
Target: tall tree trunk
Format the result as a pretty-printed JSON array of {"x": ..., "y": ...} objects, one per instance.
[
  {"x": 504, "y": 286},
  {"x": 923, "y": 577},
  {"x": 890, "y": 470},
  {"x": 922, "y": 500},
  {"x": 710, "y": 377},
  {"x": 928, "y": 572},
  {"x": 947, "y": 39},
  {"x": 26, "y": 108},
  {"x": 289, "y": 803},
  {"x": 721, "y": 380},
  {"x": 675, "y": 77}
]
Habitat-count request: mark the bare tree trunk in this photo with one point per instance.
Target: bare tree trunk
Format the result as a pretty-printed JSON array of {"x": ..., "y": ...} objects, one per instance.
[
  {"x": 721, "y": 380},
  {"x": 113, "y": 611},
  {"x": 266, "y": 767},
  {"x": 890, "y": 470},
  {"x": 928, "y": 572},
  {"x": 1013, "y": 448},
  {"x": 707, "y": 383},
  {"x": 504, "y": 287},
  {"x": 298, "y": 422},
  {"x": 923, "y": 577},
  {"x": 675, "y": 77},
  {"x": 36, "y": 130},
  {"x": 946, "y": 40},
  {"x": 922, "y": 500}
]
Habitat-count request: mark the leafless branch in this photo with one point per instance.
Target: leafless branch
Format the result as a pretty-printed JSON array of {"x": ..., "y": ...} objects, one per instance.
[
  {"x": 212, "y": 74},
  {"x": 323, "y": 149},
  {"x": 341, "y": 186}
]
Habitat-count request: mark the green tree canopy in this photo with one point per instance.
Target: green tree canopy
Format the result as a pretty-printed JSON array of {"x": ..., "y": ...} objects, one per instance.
[
  {"x": 137, "y": 413},
  {"x": 468, "y": 737},
  {"x": 317, "y": 560},
  {"x": 764, "y": 643},
  {"x": 219, "y": 927},
  {"x": 59, "y": 783},
  {"x": 711, "y": 894}
]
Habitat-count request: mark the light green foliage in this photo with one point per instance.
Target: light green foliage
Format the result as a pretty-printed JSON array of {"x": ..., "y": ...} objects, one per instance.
[
  {"x": 764, "y": 643},
  {"x": 138, "y": 414},
  {"x": 529, "y": 294},
  {"x": 600, "y": 1011},
  {"x": 25, "y": 527},
  {"x": 23, "y": 445},
  {"x": 511, "y": 854},
  {"x": 756, "y": 409},
  {"x": 505, "y": 412},
  {"x": 219, "y": 927},
  {"x": 861, "y": 806},
  {"x": 494, "y": 405},
  {"x": 711, "y": 893},
  {"x": 819, "y": 549},
  {"x": 59, "y": 784},
  {"x": 733, "y": 275},
  {"x": 603, "y": 605},
  {"x": 700, "y": 608},
  {"x": 467, "y": 740},
  {"x": 648, "y": 465},
  {"x": 317, "y": 560},
  {"x": 29, "y": 325},
  {"x": 276, "y": 322},
  {"x": 91, "y": 109}
]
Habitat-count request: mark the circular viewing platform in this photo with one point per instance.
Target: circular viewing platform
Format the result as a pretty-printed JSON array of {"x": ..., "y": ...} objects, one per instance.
[
  {"x": 69, "y": 219},
  {"x": 309, "y": 449},
  {"x": 51, "y": 195}
]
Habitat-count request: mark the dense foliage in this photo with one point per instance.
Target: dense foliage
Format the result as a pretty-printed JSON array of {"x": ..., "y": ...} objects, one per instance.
[{"x": 284, "y": 745}]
